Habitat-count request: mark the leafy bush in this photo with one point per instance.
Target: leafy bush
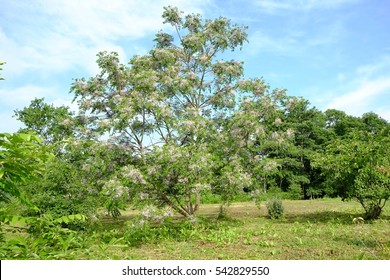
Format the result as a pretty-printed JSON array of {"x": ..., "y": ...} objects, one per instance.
[
  {"x": 294, "y": 192},
  {"x": 42, "y": 238},
  {"x": 62, "y": 191},
  {"x": 22, "y": 160},
  {"x": 359, "y": 168},
  {"x": 275, "y": 208}
]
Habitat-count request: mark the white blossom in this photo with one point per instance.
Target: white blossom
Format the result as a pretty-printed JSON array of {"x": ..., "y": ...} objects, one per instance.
[
  {"x": 290, "y": 133},
  {"x": 204, "y": 58},
  {"x": 183, "y": 180},
  {"x": 270, "y": 166},
  {"x": 198, "y": 187},
  {"x": 189, "y": 124},
  {"x": 278, "y": 122},
  {"x": 105, "y": 123},
  {"x": 255, "y": 193},
  {"x": 151, "y": 213},
  {"x": 133, "y": 174},
  {"x": 114, "y": 189},
  {"x": 66, "y": 122},
  {"x": 143, "y": 196}
]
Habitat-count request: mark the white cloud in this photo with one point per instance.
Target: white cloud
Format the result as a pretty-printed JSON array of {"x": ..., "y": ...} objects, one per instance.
[
  {"x": 296, "y": 40},
  {"x": 365, "y": 94},
  {"x": 13, "y": 55},
  {"x": 21, "y": 96},
  {"x": 272, "y": 6},
  {"x": 103, "y": 20},
  {"x": 9, "y": 124},
  {"x": 61, "y": 35},
  {"x": 369, "y": 91},
  {"x": 43, "y": 41},
  {"x": 18, "y": 98},
  {"x": 384, "y": 113},
  {"x": 340, "y": 77},
  {"x": 368, "y": 70},
  {"x": 261, "y": 41}
]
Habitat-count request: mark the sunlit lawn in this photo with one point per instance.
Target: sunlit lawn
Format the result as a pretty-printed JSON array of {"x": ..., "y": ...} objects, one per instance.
[{"x": 312, "y": 229}]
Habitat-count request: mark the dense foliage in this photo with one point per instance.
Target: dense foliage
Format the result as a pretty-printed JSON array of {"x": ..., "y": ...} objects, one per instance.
[
  {"x": 22, "y": 159},
  {"x": 358, "y": 167},
  {"x": 48, "y": 121}
]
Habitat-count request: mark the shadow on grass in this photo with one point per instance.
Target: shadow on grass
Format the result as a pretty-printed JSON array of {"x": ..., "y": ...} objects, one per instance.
[
  {"x": 326, "y": 217},
  {"x": 318, "y": 217}
]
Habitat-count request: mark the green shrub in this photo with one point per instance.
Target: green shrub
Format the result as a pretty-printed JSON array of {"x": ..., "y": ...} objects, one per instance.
[
  {"x": 275, "y": 208},
  {"x": 62, "y": 191},
  {"x": 42, "y": 237},
  {"x": 294, "y": 192}
]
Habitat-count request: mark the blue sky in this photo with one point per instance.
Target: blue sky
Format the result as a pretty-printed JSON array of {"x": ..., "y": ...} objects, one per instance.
[{"x": 335, "y": 53}]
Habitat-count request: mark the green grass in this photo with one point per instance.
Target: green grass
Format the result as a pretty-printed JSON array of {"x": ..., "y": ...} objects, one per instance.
[{"x": 312, "y": 229}]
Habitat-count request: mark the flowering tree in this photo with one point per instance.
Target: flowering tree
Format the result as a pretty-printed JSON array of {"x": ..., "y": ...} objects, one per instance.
[
  {"x": 166, "y": 104},
  {"x": 169, "y": 94},
  {"x": 258, "y": 135}
]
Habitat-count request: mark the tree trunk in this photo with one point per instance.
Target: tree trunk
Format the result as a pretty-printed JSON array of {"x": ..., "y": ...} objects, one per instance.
[
  {"x": 197, "y": 201},
  {"x": 175, "y": 207},
  {"x": 373, "y": 212}
]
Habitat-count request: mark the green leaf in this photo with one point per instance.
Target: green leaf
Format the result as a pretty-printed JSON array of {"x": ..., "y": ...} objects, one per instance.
[{"x": 80, "y": 217}]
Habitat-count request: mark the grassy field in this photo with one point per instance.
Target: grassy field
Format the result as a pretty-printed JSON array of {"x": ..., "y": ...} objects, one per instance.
[{"x": 312, "y": 229}]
